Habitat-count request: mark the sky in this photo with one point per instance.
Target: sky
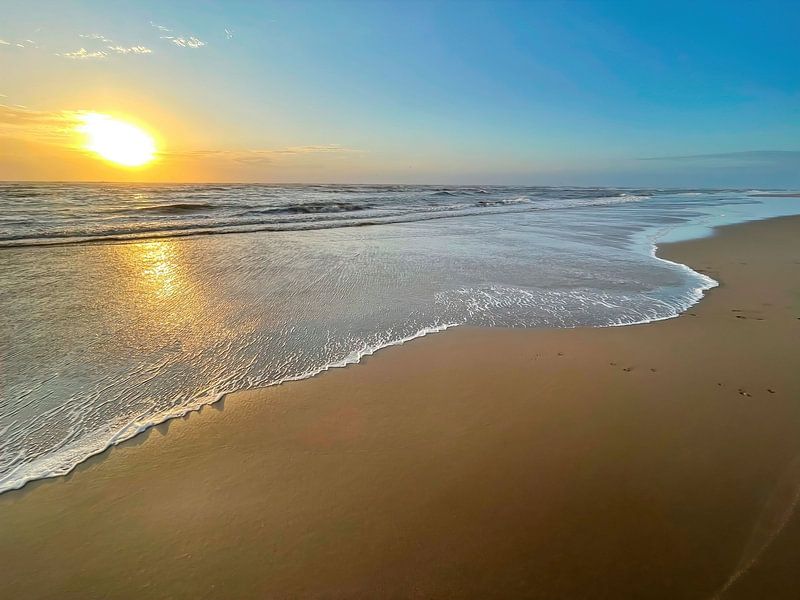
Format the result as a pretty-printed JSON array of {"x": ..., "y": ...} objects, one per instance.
[{"x": 666, "y": 94}]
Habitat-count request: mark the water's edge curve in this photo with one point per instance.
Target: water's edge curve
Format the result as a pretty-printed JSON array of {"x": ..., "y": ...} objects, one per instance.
[{"x": 45, "y": 469}]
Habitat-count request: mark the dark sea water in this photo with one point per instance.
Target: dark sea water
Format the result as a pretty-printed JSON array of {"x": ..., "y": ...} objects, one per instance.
[{"x": 126, "y": 305}]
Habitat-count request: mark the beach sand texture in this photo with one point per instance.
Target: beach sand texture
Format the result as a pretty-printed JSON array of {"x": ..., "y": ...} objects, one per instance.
[{"x": 651, "y": 461}]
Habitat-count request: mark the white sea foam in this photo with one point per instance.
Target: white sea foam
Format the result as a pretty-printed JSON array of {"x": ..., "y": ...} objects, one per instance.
[{"x": 98, "y": 441}]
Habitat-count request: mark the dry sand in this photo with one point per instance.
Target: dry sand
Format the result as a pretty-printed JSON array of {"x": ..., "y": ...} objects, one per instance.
[{"x": 653, "y": 461}]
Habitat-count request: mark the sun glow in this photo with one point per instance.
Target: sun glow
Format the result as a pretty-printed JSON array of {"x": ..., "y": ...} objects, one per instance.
[{"x": 117, "y": 141}]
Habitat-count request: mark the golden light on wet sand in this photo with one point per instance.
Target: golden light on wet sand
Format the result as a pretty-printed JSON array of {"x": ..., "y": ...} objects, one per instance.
[{"x": 117, "y": 141}]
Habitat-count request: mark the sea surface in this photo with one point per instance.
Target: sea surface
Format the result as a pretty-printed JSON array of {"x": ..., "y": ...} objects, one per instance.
[{"x": 124, "y": 305}]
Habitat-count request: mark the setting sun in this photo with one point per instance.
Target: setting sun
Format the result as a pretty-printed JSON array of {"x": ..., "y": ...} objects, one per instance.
[{"x": 117, "y": 141}]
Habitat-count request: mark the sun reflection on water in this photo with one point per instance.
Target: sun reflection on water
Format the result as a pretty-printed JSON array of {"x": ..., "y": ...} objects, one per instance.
[
  {"x": 151, "y": 297},
  {"x": 159, "y": 268},
  {"x": 154, "y": 277}
]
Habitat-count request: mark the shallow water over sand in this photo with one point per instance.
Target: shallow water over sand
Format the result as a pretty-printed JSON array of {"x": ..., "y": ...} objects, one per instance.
[{"x": 102, "y": 340}]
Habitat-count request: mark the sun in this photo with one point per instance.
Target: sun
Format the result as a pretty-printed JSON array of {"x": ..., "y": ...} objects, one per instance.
[{"x": 117, "y": 141}]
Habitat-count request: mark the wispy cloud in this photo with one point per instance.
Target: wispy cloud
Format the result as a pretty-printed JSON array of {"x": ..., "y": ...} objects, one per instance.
[
  {"x": 766, "y": 156},
  {"x": 182, "y": 41},
  {"x": 256, "y": 157},
  {"x": 190, "y": 42},
  {"x": 83, "y": 54},
  {"x": 314, "y": 149},
  {"x": 96, "y": 36},
  {"x": 161, "y": 28},
  {"x": 22, "y": 44},
  {"x": 130, "y": 49},
  {"x": 46, "y": 126}
]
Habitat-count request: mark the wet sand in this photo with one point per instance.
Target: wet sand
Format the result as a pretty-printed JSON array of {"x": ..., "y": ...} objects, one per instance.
[{"x": 652, "y": 461}]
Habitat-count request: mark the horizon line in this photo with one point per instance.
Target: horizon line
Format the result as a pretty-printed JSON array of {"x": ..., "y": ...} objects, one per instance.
[{"x": 310, "y": 183}]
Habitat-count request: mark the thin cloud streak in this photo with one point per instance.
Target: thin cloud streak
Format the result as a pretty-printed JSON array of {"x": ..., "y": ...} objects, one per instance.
[
  {"x": 96, "y": 36},
  {"x": 22, "y": 44},
  {"x": 83, "y": 54},
  {"x": 748, "y": 155},
  {"x": 131, "y": 50},
  {"x": 160, "y": 27},
  {"x": 256, "y": 157},
  {"x": 182, "y": 42},
  {"x": 47, "y": 126}
]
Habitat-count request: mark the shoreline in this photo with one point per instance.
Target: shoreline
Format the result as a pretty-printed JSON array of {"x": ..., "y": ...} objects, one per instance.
[
  {"x": 125, "y": 436},
  {"x": 137, "y": 429},
  {"x": 588, "y": 462}
]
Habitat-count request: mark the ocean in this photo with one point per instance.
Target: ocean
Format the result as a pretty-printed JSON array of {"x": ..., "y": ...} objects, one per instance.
[{"x": 125, "y": 305}]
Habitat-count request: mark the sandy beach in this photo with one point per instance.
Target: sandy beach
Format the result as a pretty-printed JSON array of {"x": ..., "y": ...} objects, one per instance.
[{"x": 650, "y": 461}]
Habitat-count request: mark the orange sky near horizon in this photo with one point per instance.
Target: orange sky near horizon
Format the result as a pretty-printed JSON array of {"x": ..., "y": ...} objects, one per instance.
[{"x": 48, "y": 145}]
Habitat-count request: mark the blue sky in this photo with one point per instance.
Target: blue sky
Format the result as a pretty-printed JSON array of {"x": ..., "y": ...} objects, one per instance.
[{"x": 472, "y": 92}]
